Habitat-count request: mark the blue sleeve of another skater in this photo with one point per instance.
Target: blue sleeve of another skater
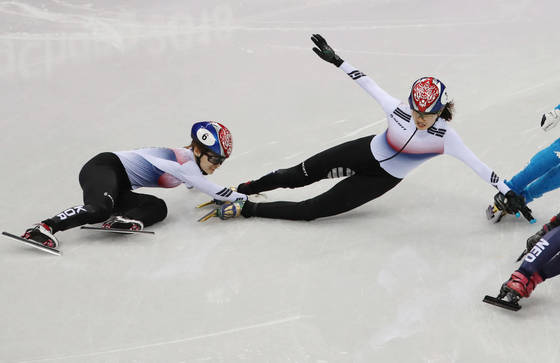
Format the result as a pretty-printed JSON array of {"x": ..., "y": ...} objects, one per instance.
[
  {"x": 543, "y": 256},
  {"x": 539, "y": 165}
]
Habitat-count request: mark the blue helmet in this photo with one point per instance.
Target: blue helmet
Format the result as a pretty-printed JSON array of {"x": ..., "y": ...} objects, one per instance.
[{"x": 214, "y": 137}]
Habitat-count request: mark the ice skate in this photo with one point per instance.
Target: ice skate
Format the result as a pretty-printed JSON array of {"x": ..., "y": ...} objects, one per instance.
[
  {"x": 494, "y": 214},
  {"x": 230, "y": 210},
  {"x": 226, "y": 211},
  {"x": 517, "y": 287},
  {"x": 245, "y": 188},
  {"x": 504, "y": 302},
  {"x": 498, "y": 210},
  {"x": 119, "y": 222},
  {"x": 41, "y": 233}
]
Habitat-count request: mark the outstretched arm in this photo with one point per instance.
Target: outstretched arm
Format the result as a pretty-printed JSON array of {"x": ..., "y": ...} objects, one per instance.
[
  {"x": 325, "y": 52},
  {"x": 194, "y": 177},
  {"x": 190, "y": 174},
  {"x": 455, "y": 147}
]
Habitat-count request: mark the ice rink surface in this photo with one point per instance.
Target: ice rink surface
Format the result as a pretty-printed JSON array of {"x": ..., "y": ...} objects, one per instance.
[{"x": 400, "y": 279}]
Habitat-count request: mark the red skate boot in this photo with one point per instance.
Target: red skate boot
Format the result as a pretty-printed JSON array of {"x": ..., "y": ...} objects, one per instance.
[
  {"x": 513, "y": 290},
  {"x": 519, "y": 286}
]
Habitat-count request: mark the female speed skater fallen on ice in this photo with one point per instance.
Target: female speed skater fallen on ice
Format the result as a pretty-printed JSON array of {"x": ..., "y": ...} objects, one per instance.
[
  {"x": 540, "y": 176},
  {"x": 541, "y": 262},
  {"x": 107, "y": 181},
  {"x": 417, "y": 130}
]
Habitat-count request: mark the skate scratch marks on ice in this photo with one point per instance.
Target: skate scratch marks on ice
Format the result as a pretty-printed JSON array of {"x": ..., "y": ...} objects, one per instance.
[{"x": 176, "y": 341}]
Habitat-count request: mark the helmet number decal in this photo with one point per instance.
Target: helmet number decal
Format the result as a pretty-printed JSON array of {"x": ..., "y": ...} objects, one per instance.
[{"x": 205, "y": 137}]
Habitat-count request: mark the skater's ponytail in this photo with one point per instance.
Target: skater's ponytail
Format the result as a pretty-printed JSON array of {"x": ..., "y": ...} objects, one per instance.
[{"x": 448, "y": 111}]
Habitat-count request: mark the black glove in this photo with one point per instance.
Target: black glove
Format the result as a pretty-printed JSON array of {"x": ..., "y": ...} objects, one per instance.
[
  {"x": 532, "y": 241},
  {"x": 324, "y": 51},
  {"x": 500, "y": 201},
  {"x": 516, "y": 203}
]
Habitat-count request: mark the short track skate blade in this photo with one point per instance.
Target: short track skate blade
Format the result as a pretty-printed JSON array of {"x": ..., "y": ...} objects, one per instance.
[
  {"x": 33, "y": 244},
  {"x": 501, "y": 303},
  {"x": 205, "y": 204},
  {"x": 494, "y": 215},
  {"x": 116, "y": 230},
  {"x": 490, "y": 214},
  {"x": 209, "y": 215}
]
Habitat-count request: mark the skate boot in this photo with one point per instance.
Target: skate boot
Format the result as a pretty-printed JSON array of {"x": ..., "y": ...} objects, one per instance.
[
  {"x": 41, "y": 233},
  {"x": 498, "y": 210},
  {"x": 230, "y": 210},
  {"x": 519, "y": 286},
  {"x": 120, "y": 222},
  {"x": 245, "y": 188}
]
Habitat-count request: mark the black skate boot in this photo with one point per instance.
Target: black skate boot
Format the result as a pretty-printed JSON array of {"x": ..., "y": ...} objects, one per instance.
[
  {"x": 41, "y": 233},
  {"x": 245, "y": 188},
  {"x": 120, "y": 222}
]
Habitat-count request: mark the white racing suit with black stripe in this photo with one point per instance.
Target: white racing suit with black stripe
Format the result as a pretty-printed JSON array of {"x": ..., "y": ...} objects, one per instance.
[
  {"x": 371, "y": 165},
  {"x": 108, "y": 181}
]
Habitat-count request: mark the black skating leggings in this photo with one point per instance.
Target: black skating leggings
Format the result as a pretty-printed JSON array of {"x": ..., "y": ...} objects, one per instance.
[
  {"x": 107, "y": 192},
  {"x": 365, "y": 180}
]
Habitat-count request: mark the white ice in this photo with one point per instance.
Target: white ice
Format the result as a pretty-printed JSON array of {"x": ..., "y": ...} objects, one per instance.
[{"x": 400, "y": 279}]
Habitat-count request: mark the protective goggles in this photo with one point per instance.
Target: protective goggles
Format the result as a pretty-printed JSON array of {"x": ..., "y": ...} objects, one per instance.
[
  {"x": 422, "y": 114},
  {"x": 215, "y": 159}
]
